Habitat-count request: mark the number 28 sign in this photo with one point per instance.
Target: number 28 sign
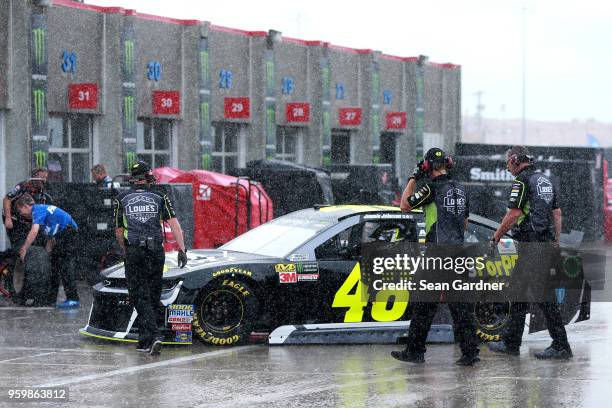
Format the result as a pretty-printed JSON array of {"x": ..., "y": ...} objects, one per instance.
[
  {"x": 237, "y": 108},
  {"x": 83, "y": 96},
  {"x": 166, "y": 103},
  {"x": 298, "y": 112}
]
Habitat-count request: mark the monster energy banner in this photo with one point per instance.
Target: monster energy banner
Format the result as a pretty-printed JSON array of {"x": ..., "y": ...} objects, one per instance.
[
  {"x": 128, "y": 91},
  {"x": 270, "y": 105},
  {"x": 375, "y": 112},
  {"x": 419, "y": 114},
  {"x": 39, "y": 116},
  {"x": 204, "y": 107},
  {"x": 325, "y": 111}
]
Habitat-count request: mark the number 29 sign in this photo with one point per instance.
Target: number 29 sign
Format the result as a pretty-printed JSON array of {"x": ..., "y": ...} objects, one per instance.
[
  {"x": 166, "y": 103},
  {"x": 83, "y": 96},
  {"x": 237, "y": 108}
]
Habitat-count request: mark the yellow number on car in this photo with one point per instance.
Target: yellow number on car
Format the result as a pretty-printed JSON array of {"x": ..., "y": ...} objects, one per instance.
[
  {"x": 355, "y": 301},
  {"x": 398, "y": 305}
]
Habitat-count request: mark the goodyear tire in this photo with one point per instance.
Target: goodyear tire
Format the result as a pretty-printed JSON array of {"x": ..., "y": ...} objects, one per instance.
[
  {"x": 225, "y": 312},
  {"x": 491, "y": 319}
]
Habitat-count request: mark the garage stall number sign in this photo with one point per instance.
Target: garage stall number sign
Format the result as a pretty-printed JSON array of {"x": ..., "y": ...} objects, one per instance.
[
  {"x": 83, "y": 96},
  {"x": 349, "y": 116},
  {"x": 298, "y": 112},
  {"x": 179, "y": 314},
  {"x": 166, "y": 103},
  {"x": 396, "y": 120},
  {"x": 237, "y": 108},
  {"x": 388, "y": 306}
]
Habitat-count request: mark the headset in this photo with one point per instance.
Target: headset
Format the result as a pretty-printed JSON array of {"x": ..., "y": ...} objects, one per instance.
[
  {"x": 440, "y": 157},
  {"x": 516, "y": 159}
]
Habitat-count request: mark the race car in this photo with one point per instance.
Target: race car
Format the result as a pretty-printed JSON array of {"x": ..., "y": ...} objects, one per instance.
[{"x": 299, "y": 269}]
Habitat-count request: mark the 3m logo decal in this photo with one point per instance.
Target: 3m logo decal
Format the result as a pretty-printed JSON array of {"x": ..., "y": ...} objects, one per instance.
[{"x": 287, "y": 277}]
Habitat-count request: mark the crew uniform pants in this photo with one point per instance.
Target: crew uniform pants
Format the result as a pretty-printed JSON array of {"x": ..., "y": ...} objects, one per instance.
[
  {"x": 62, "y": 265},
  {"x": 463, "y": 322},
  {"x": 535, "y": 259},
  {"x": 143, "y": 271}
]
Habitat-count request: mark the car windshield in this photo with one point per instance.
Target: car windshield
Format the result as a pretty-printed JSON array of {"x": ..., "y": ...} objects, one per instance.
[{"x": 278, "y": 237}]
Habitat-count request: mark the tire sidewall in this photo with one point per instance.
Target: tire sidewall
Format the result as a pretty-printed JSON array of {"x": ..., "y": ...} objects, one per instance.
[{"x": 238, "y": 334}]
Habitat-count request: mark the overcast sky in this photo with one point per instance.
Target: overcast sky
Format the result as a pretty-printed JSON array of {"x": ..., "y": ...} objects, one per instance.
[{"x": 568, "y": 47}]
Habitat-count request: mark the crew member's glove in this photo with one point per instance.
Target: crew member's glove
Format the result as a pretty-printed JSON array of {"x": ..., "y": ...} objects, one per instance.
[
  {"x": 418, "y": 172},
  {"x": 182, "y": 258}
]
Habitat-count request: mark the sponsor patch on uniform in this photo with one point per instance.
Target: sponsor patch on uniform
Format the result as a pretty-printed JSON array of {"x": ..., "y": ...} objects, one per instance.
[
  {"x": 285, "y": 268},
  {"x": 179, "y": 314},
  {"x": 181, "y": 327},
  {"x": 183, "y": 337},
  {"x": 308, "y": 277}
]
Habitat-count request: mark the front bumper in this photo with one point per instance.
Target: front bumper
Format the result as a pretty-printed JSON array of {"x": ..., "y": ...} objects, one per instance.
[{"x": 112, "y": 316}]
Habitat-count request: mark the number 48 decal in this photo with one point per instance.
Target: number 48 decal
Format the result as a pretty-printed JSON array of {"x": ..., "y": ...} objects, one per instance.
[{"x": 389, "y": 305}]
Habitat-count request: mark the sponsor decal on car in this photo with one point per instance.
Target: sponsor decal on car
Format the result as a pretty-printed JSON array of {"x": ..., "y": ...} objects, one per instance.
[
  {"x": 307, "y": 267},
  {"x": 388, "y": 216},
  {"x": 308, "y": 277},
  {"x": 285, "y": 268},
  {"x": 506, "y": 246},
  {"x": 287, "y": 277},
  {"x": 183, "y": 337},
  {"x": 237, "y": 286},
  {"x": 232, "y": 270},
  {"x": 180, "y": 313},
  {"x": 181, "y": 327},
  {"x": 298, "y": 257}
]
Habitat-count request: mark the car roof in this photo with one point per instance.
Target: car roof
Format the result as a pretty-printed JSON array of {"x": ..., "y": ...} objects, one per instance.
[{"x": 340, "y": 212}]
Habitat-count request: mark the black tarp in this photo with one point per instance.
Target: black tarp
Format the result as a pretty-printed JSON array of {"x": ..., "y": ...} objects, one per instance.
[
  {"x": 363, "y": 183},
  {"x": 291, "y": 186}
]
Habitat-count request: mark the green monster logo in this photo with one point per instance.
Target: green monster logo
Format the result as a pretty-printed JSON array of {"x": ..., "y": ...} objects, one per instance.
[
  {"x": 325, "y": 80},
  {"x": 130, "y": 159},
  {"x": 38, "y": 40},
  {"x": 128, "y": 54},
  {"x": 39, "y": 107},
  {"x": 326, "y": 128},
  {"x": 271, "y": 116},
  {"x": 204, "y": 115},
  {"x": 204, "y": 65},
  {"x": 270, "y": 75},
  {"x": 128, "y": 110},
  {"x": 375, "y": 83},
  {"x": 40, "y": 156},
  {"x": 206, "y": 161}
]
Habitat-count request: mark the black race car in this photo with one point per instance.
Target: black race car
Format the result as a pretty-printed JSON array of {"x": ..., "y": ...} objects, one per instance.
[{"x": 300, "y": 270}]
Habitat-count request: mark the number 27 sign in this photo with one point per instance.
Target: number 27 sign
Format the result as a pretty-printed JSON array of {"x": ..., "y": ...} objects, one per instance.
[{"x": 83, "y": 96}]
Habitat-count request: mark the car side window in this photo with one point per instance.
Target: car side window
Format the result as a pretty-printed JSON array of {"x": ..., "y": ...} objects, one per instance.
[
  {"x": 339, "y": 246},
  {"x": 477, "y": 233}
]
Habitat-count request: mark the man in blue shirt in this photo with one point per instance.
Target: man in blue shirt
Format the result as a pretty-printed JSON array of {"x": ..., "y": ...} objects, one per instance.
[{"x": 59, "y": 228}]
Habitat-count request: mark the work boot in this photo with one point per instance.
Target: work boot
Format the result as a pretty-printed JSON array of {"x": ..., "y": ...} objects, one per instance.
[
  {"x": 500, "y": 347},
  {"x": 467, "y": 360},
  {"x": 552, "y": 353},
  {"x": 409, "y": 356}
]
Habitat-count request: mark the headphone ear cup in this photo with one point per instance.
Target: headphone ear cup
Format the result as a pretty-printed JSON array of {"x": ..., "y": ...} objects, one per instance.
[
  {"x": 426, "y": 166},
  {"x": 449, "y": 162}
]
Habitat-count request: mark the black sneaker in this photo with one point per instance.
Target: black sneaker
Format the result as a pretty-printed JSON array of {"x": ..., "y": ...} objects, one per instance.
[
  {"x": 143, "y": 349},
  {"x": 409, "y": 356},
  {"x": 156, "y": 348},
  {"x": 551, "y": 353},
  {"x": 466, "y": 360},
  {"x": 500, "y": 347}
]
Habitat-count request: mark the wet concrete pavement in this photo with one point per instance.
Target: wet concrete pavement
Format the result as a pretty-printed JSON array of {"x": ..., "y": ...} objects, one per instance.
[{"x": 42, "y": 347}]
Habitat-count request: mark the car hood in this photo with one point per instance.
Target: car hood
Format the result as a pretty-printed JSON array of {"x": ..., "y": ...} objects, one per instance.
[{"x": 198, "y": 259}]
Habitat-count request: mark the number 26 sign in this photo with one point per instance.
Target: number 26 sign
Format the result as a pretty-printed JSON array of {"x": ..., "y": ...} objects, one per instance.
[
  {"x": 166, "y": 103},
  {"x": 83, "y": 96}
]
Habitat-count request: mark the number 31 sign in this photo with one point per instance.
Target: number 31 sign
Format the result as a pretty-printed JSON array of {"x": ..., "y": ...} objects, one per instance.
[{"x": 83, "y": 96}]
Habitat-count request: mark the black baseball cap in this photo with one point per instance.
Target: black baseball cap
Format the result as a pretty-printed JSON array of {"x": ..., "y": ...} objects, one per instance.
[
  {"x": 435, "y": 155},
  {"x": 139, "y": 169}
]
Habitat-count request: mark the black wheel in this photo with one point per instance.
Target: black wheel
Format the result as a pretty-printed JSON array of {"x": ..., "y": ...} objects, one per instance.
[
  {"x": 225, "y": 313},
  {"x": 491, "y": 318}
]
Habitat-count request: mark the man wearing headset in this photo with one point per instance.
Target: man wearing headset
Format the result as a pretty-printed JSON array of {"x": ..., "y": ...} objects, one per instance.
[
  {"x": 446, "y": 208},
  {"x": 138, "y": 216},
  {"x": 535, "y": 219}
]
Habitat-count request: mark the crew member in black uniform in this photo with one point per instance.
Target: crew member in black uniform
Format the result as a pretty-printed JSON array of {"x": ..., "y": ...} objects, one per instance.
[
  {"x": 535, "y": 219},
  {"x": 17, "y": 227},
  {"x": 139, "y": 213},
  {"x": 446, "y": 208}
]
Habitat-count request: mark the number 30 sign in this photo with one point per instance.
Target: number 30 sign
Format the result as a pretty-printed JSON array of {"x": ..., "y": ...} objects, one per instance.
[
  {"x": 166, "y": 103},
  {"x": 83, "y": 96}
]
